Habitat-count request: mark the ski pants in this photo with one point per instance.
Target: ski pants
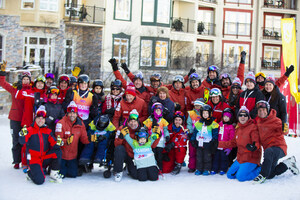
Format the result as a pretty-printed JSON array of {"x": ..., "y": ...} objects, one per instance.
[
  {"x": 192, "y": 156},
  {"x": 204, "y": 159},
  {"x": 220, "y": 161},
  {"x": 243, "y": 172},
  {"x": 269, "y": 167},
  {"x": 36, "y": 165},
  {"x": 121, "y": 157},
  {"x": 158, "y": 153},
  {"x": 88, "y": 150},
  {"x": 69, "y": 168},
  {"x": 15, "y": 128},
  {"x": 176, "y": 155},
  {"x": 148, "y": 173}
]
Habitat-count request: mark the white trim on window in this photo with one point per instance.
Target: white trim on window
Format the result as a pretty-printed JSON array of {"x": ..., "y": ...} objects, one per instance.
[
  {"x": 146, "y": 52},
  {"x": 161, "y": 47},
  {"x": 28, "y": 4},
  {"x": 119, "y": 44},
  {"x": 2, "y": 47},
  {"x": 123, "y": 9},
  {"x": 49, "y": 5}
]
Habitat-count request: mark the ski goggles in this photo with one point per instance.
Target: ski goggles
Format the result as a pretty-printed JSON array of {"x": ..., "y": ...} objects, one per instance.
[
  {"x": 72, "y": 109},
  {"x": 178, "y": 114},
  {"x": 155, "y": 77},
  {"x": 64, "y": 78},
  {"x": 115, "y": 88},
  {"x": 139, "y": 75},
  {"x": 41, "y": 113},
  {"x": 49, "y": 75},
  {"x": 54, "y": 91},
  {"x": 260, "y": 74},
  {"x": 178, "y": 78},
  {"x": 215, "y": 92},
  {"x": 142, "y": 135},
  {"x": 159, "y": 106},
  {"x": 194, "y": 76},
  {"x": 26, "y": 73},
  {"x": 262, "y": 104},
  {"x": 225, "y": 75},
  {"x": 212, "y": 68},
  {"x": 40, "y": 78},
  {"x": 134, "y": 117}
]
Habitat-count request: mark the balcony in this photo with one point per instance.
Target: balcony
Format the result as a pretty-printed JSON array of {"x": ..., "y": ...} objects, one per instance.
[
  {"x": 85, "y": 14},
  {"x": 271, "y": 33},
  {"x": 183, "y": 25},
  {"x": 281, "y": 4},
  {"x": 237, "y": 29},
  {"x": 239, "y": 2},
  {"x": 205, "y": 60},
  {"x": 206, "y": 28},
  {"x": 270, "y": 63}
]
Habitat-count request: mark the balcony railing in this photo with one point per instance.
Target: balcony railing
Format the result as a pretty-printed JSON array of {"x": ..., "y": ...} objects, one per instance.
[
  {"x": 270, "y": 63},
  {"x": 239, "y": 2},
  {"x": 237, "y": 29},
  {"x": 209, "y": 1},
  {"x": 183, "y": 25},
  {"x": 271, "y": 33},
  {"x": 85, "y": 14},
  {"x": 281, "y": 4},
  {"x": 206, "y": 28},
  {"x": 205, "y": 60}
]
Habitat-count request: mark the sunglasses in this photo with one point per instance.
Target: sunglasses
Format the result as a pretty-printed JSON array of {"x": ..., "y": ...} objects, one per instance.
[
  {"x": 49, "y": 75},
  {"x": 41, "y": 114},
  {"x": 243, "y": 115},
  {"x": 115, "y": 89}
]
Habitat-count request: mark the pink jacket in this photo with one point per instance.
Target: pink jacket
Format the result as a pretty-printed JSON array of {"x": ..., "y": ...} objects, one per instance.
[{"x": 226, "y": 132}]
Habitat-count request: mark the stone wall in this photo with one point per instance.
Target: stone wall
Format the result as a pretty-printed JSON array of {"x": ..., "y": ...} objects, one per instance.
[{"x": 5, "y": 102}]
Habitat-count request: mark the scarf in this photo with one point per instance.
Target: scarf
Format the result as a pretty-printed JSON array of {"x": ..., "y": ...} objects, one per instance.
[{"x": 115, "y": 98}]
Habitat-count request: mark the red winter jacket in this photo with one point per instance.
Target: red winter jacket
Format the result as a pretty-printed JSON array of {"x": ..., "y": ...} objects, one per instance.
[
  {"x": 65, "y": 128},
  {"x": 206, "y": 84},
  {"x": 39, "y": 141},
  {"x": 179, "y": 138},
  {"x": 192, "y": 95},
  {"x": 28, "y": 97},
  {"x": 270, "y": 132},
  {"x": 17, "y": 105},
  {"x": 124, "y": 108},
  {"x": 62, "y": 95},
  {"x": 178, "y": 96},
  {"x": 218, "y": 109},
  {"x": 245, "y": 134}
]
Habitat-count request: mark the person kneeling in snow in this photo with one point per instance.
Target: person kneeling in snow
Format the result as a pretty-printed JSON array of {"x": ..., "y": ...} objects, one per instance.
[
  {"x": 143, "y": 155},
  {"x": 42, "y": 149},
  {"x": 272, "y": 139}
]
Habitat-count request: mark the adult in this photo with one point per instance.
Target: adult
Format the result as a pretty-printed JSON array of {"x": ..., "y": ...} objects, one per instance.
[
  {"x": 261, "y": 77},
  {"x": 276, "y": 99},
  {"x": 235, "y": 92},
  {"x": 177, "y": 93},
  {"x": 272, "y": 139},
  {"x": 162, "y": 96},
  {"x": 246, "y": 167},
  {"x": 16, "y": 111},
  {"x": 194, "y": 91},
  {"x": 217, "y": 103},
  {"x": 129, "y": 102},
  {"x": 49, "y": 80},
  {"x": 141, "y": 90},
  {"x": 42, "y": 149},
  {"x": 123, "y": 151},
  {"x": 70, "y": 129},
  {"x": 250, "y": 96},
  {"x": 63, "y": 85},
  {"x": 212, "y": 79}
]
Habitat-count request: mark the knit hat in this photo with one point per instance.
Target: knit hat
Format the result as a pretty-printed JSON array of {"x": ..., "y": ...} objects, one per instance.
[
  {"x": 270, "y": 78},
  {"x": 41, "y": 112},
  {"x": 244, "y": 109},
  {"x": 237, "y": 83},
  {"x": 199, "y": 102},
  {"x": 130, "y": 89},
  {"x": 228, "y": 114},
  {"x": 133, "y": 115},
  {"x": 72, "y": 107},
  {"x": 250, "y": 77}
]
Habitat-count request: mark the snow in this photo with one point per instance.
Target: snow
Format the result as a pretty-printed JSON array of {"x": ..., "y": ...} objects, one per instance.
[{"x": 13, "y": 184}]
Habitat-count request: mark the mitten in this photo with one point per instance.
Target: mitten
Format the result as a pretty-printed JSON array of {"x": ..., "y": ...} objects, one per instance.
[
  {"x": 76, "y": 71},
  {"x": 156, "y": 130},
  {"x": 125, "y": 68},
  {"x": 243, "y": 57},
  {"x": 169, "y": 146},
  {"x": 251, "y": 147},
  {"x": 192, "y": 70},
  {"x": 154, "y": 136},
  {"x": 289, "y": 70},
  {"x": 59, "y": 141},
  {"x": 114, "y": 64},
  {"x": 3, "y": 66},
  {"x": 70, "y": 139},
  {"x": 19, "y": 85},
  {"x": 94, "y": 138},
  {"x": 177, "y": 107},
  {"x": 23, "y": 131}
]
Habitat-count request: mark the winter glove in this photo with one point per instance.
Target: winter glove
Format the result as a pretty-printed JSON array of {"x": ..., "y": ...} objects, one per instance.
[
  {"x": 2, "y": 73},
  {"x": 177, "y": 107},
  {"x": 125, "y": 68},
  {"x": 169, "y": 146},
  {"x": 114, "y": 64},
  {"x": 166, "y": 157},
  {"x": 232, "y": 100},
  {"x": 93, "y": 138},
  {"x": 154, "y": 136},
  {"x": 251, "y": 147},
  {"x": 110, "y": 111},
  {"x": 3, "y": 66},
  {"x": 76, "y": 71},
  {"x": 227, "y": 151},
  {"x": 125, "y": 131},
  {"x": 154, "y": 123},
  {"x": 289, "y": 70},
  {"x": 19, "y": 85},
  {"x": 214, "y": 146},
  {"x": 23, "y": 131},
  {"x": 101, "y": 138},
  {"x": 243, "y": 57},
  {"x": 192, "y": 70},
  {"x": 59, "y": 141},
  {"x": 156, "y": 130},
  {"x": 121, "y": 136},
  {"x": 167, "y": 138},
  {"x": 285, "y": 128},
  {"x": 70, "y": 139}
]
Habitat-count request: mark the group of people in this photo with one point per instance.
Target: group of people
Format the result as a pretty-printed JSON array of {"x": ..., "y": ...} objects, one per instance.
[{"x": 63, "y": 129}]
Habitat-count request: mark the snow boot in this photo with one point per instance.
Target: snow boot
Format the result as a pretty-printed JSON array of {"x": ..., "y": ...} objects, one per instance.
[
  {"x": 291, "y": 164},
  {"x": 118, "y": 176},
  {"x": 222, "y": 172},
  {"x": 197, "y": 172},
  {"x": 259, "y": 179},
  {"x": 205, "y": 173},
  {"x": 176, "y": 169},
  {"x": 212, "y": 172},
  {"x": 16, "y": 166},
  {"x": 191, "y": 170},
  {"x": 55, "y": 176}
]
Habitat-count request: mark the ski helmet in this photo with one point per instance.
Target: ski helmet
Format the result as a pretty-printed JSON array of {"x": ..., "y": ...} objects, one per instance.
[
  {"x": 142, "y": 133},
  {"x": 178, "y": 78},
  {"x": 214, "y": 92},
  {"x": 64, "y": 77},
  {"x": 226, "y": 75},
  {"x": 102, "y": 122},
  {"x": 155, "y": 77},
  {"x": 26, "y": 74},
  {"x": 179, "y": 114},
  {"x": 73, "y": 80},
  {"x": 53, "y": 90},
  {"x": 157, "y": 105},
  {"x": 116, "y": 84},
  {"x": 39, "y": 78},
  {"x": 139, "y": 75},
  {"x": 206, "y": 107},
  {"x": 194, "y": 76},
  {"x": 83, "y": 78},
  {"x": 98, "y": 82},
  {"x": 213, "y": 68},
  {"x": 263, "y": 104}
]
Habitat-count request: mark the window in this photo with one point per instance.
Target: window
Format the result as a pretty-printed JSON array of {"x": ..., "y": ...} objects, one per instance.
[
  {"x": 156, "y": 12},
  {"x": 204, "y": 53},
  {"x": 237, "y": 23},
  {"x": 232, "y": 52},
  {"x": 69, "y": 50},
  {"x": 121, "y": 43},
  {"x": 272, "y": 26},
  {"x": 271, "y": 57},
  {"x": 123, "y": 10},
  {"x": 48, "y": 5},
  {"x": 154, "y": 52},
  {"x": 239, "y": 1},
  {"x": 206, "y": 18},
  {"x": 27, "y": 4},
  {"x": 1, "y": 3},
  {"x": 1, "y": 48}
]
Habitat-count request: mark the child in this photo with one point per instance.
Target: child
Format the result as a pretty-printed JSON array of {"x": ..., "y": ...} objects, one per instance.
[
  {"x": 98, "y": 96},
  {"x": 143, "y": 154},
  {"x": 226, "y": 133},
  {"x": 176, "y": 148},
  {"x": 157, "y": 124},
  {"x": 193, "y": 117},
  {"x": 205, "y": 137},
  {"x": 100, "y": 131}
]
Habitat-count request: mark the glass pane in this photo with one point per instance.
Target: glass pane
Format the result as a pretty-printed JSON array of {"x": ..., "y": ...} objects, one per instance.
[
  {"x": 123, "y": 51},
  {"x": 123, "y": 9},
  {"x": 146, "y": 53},
  {"x": 25, "y": 53},
  {"x": 32, "y": 56},
  {"x": 116, "y": 51},
  {"x": 25, "y": 40},
  {"x": 0, "y": 55},
  {"x": 43, "y": 40},
  {"x": 28, "y": 4},
  {"x": 163, "y": 11},
  {"x": 69, "y": 42},
  {"x": 33, "y": 40},
  {"x": 148, "y": 11},
  {"x": 161, "y": 53}
]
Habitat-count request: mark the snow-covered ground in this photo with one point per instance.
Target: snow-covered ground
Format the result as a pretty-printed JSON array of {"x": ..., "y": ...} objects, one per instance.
[{"x": 13, "y": 184}]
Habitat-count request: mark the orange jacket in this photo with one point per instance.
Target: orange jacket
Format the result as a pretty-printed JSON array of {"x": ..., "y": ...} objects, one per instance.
[
  {"x": 270, "y": 132},
  {"x": 65, "y": 128},
  {"x": 245, "y": 134}
]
